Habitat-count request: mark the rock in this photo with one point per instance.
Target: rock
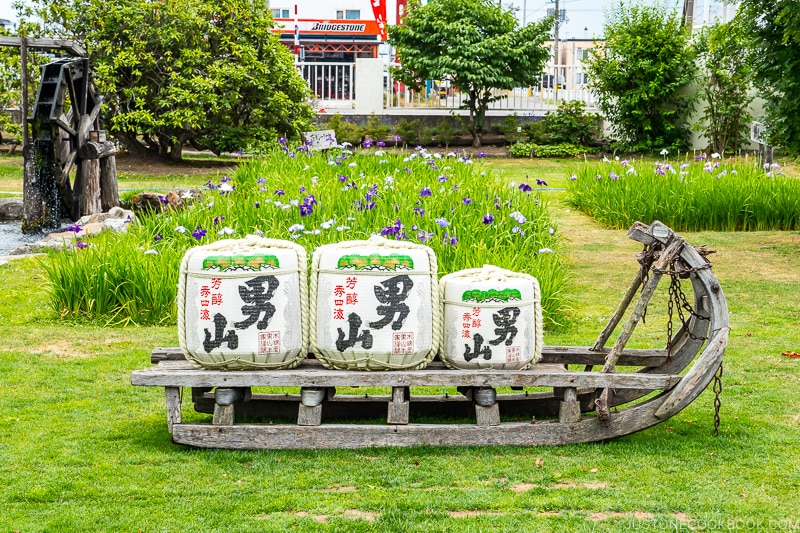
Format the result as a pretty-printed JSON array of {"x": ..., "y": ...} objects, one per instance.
[
  {"x": 10, "y": 208},
  {"x": 92, "y": 219},
  {"x": 35, "y": 247},
  {"x": 118, "y": 212},
  {"x": 150, "y": 201},
  {"x": 119, "y": 225},
  {"x": 63, "y": 236}
]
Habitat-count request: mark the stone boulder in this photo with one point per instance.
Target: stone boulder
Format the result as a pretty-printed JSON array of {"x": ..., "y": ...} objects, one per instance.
[{"x": 10, "y": 209}]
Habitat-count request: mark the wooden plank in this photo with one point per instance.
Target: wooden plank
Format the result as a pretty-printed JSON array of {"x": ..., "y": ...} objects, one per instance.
[
  {"x": 620, "y": 311},
  {"x": 610, "y": 366},
  {"x": 562, "y": 355},
  {"x": 182, "y": 374},
  {"x": 352, "y": 436},
  {"x": 697, "y": 378},
  {"x": 46, "y": 44}
]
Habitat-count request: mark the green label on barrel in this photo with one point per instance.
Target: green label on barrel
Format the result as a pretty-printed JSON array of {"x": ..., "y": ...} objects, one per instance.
[
  {"x": 224, "y": 263},
  {"x": 376, "y": 262},
  {"x": 491, "y": 295}
]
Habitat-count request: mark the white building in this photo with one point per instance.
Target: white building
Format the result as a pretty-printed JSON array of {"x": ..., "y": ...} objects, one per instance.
[{"x": 339, "y": 31}]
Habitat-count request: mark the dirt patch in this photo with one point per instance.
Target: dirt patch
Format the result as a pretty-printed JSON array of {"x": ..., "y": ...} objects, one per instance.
[
  {"x": 132, "y": 163},
  {"x": 61, "y": 349},
  {"x": 321, "y": 518},
  {"x": 523, "y": 487},
  {"x": 340, "y": 489},
  {"x": 361, "y": 515}
]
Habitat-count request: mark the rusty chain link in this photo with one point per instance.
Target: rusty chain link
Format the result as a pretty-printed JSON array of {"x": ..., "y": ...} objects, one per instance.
[{"x": 717, "y": 401}]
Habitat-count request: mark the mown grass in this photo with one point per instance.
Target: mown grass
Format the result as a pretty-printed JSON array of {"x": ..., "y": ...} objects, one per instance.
[{"x": 83, "y": 450}]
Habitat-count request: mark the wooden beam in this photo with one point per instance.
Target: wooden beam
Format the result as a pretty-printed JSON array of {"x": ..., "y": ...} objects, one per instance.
[
  {"x": 563, "y": 355},
  {"x": 182, "y": 374},
  {"x": 46, "y": 44}
]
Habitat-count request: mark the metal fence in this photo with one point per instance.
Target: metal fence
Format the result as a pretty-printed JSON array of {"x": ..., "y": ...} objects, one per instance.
[{"x": 333, "y": 85}]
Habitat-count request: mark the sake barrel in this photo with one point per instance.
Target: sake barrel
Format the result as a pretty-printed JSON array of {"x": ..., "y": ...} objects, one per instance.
[
  {"x": 492, "y": 319},
  {"x": 241, "y": 304},
  {"x": 374, "y": 305}
]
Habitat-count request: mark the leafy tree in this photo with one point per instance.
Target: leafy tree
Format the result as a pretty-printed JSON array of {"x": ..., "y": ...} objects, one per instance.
[
  {"x": 773, "y": 31},
  {"x": 205, "y": 72},
  {"x": 474, "y": 44},
  {"x": 724, "y": 84},
  {"x": 639, "y": 76}
]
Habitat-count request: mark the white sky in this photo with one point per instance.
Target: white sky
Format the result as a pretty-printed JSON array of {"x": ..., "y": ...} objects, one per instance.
[
  {"x": 582, "y": 14},
  {"x": 6, "y": 12}
]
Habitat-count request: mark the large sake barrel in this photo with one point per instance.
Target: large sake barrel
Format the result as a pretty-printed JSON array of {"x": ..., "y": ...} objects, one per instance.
[
  {"x": 243, "y": 304},
  {"x": 492, "y": 319},
  {"x": 374, "y": 305}
]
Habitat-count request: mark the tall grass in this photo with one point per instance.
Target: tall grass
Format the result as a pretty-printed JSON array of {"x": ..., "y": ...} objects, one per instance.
[
  {"x": 468, "y": 217},
  {"x": 693, "y": 196}
]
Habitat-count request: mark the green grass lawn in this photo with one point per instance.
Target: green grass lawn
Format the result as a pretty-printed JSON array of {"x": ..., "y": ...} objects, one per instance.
[{"x": 83, "y": 450}]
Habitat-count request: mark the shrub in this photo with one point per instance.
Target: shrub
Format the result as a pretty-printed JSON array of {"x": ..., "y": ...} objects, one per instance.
[
  {"x": 555, "y": 150},
  {"x": 469, "y": 219},
  {"x": 697, "y": 196},
  {"x": 570, "y": 123},
  {"x": 536, "y": 132},
  {"x": 345, "y": 131},
  {"x": 414, "y": 132},
  {"x": 510, "y": 129},
  {"x": 445, "y": 132},
  {"x": 375, "y": 129}
]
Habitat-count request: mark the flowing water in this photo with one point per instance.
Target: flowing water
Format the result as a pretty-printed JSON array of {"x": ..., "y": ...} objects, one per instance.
[{"x": 11, "y": 237}]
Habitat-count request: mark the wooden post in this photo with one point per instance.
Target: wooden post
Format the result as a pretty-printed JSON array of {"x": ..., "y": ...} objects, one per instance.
[
  {"x": 487, "y": 410},
  {"x": 223, "y": 408},
  {"x": 23, "y": 56},
  {"x": 617, "y": 316},
  {"x": 309, "y": 412},
  {"x": 610, "y": 366},
  {"x": 398, "y": 406},
  {"x": 109, "y": 191},
  {"x": 173, "y": 406},
  {"x": 570, "y": 409}
]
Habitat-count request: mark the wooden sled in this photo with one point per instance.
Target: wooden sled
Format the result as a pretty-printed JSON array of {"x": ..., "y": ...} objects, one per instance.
[{"x": 579, "y": 405}]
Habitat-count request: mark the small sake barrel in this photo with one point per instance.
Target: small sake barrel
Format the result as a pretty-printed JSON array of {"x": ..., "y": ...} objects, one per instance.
[
  {"x": 492, "y": 319},
  {"x": 376, "y": 305},
  {"x": 241, "y": 302}
]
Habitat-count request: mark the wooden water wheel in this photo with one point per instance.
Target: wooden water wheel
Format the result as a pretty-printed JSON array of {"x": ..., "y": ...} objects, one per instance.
[{"x": 67, "y": 137}]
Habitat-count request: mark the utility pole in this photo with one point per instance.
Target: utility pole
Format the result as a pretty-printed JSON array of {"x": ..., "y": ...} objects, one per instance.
[{"x": 554, "y": 85}]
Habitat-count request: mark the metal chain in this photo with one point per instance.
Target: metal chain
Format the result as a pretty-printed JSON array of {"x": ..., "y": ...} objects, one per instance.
[
  {"x": 717, "y": 402},
  {"x": 677, "y": 300}
]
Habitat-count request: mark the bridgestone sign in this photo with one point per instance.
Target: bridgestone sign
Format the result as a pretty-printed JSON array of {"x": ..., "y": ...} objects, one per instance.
[{"x": 351, "y": 28}]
